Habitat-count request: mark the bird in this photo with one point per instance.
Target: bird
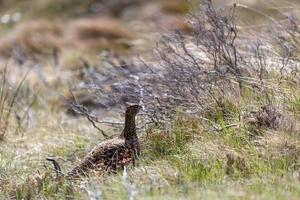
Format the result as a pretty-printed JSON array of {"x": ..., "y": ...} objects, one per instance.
[{"x": 111, "y": 155}]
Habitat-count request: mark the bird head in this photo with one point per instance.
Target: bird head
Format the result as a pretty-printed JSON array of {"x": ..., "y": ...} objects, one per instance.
[{"x": 132, "y": 110}]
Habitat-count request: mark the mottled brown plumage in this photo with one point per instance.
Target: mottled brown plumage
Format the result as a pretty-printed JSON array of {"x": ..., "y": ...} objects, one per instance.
[{"x": 114, "y": 154}]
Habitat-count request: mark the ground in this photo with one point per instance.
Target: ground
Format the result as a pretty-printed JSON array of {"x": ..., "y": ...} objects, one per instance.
[{"x": 190, "y": 160}]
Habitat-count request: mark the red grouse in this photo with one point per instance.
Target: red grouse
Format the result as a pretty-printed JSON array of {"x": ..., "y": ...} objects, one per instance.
[{"x": 110, "y": 155}]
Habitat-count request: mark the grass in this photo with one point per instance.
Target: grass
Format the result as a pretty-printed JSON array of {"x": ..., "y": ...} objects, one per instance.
[
  {"x": 48, "y": 9},
  {"x": 40, "y": 39},
  {"x": 191, "y": 160},
  {"x": 176, "y": 6},
  {"x": 33, "y": 38},
  {"x": 8, "y": 98},
  {"x": 97, "y": 34}
]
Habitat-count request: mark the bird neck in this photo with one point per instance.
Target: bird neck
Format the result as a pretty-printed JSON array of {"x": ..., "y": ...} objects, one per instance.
[{"x": 130, "y": 128}]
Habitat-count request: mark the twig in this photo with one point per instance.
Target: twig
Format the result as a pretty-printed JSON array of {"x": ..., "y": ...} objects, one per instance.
[
  {"x": 227, "y": 126},
  {"x": 80, "y": 109}
]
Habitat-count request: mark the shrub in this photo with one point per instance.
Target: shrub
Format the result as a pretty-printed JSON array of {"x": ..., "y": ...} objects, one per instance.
[{"x": 212, "y": 71}]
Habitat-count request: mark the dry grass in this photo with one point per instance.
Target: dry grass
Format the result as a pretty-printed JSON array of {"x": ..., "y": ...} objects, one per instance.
[
  {"x": 175, "y": 6},
  {"x": 55, "y": 9},
  {"x": 74, "y": 59},
  {"x": 32, "y": 38},
  {"x": 177, "y": 23},
  {"x": 98, "y": 34},
  {"x": 190, "y": 160}
]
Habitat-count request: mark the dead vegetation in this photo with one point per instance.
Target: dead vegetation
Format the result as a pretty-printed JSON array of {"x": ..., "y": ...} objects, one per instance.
[
  {"x": 176, "y": 6},
  {"x": 267, "y": 117},
  {"x": 44, "y": 39},
  {"x": 13, "y": 97},
  {"x": 211, "y": 73},
  {"x": 64, "y": 9},
  {"x": 98, "y": 34},
  {"x": 32, "y": 39},
  {"x": 220, "y": 115}
]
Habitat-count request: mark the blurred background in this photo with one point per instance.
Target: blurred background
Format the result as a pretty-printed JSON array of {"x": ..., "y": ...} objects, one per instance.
[
  {"x": 35, "y": 30},
  {"x": 66, "y": 32},
  {"x": 62, "y": 44},
  {"x": 67, "y": 35}
]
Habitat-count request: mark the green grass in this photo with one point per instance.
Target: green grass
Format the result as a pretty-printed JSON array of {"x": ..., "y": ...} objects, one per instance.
[{"x": 191, "y": 160}]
